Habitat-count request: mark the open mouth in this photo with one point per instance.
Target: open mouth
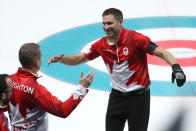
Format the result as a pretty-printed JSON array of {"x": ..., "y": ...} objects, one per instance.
[{"x": 108, "y": 31}]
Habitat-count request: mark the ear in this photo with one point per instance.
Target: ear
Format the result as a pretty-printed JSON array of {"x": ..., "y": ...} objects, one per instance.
[
  {"x": 35, "y": 63},
  {"x": 121, "y": 21}
]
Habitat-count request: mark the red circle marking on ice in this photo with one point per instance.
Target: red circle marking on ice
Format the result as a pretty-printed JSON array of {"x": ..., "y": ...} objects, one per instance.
[{"x": 169, "y": 44}]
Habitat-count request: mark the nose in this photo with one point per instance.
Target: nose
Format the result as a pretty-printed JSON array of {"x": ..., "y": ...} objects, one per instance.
[{"x": 105, "y": 26}]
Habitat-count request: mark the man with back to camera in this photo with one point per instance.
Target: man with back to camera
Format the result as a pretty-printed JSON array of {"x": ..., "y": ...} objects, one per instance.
[
  {"x": 124, "y": 54},
  {"x": 30, "y": 100},
  {"x": 5, "y": 94}
]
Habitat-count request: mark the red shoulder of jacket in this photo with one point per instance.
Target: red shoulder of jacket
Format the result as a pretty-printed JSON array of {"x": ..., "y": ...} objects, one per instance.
[{"x": 125, "y": 34}]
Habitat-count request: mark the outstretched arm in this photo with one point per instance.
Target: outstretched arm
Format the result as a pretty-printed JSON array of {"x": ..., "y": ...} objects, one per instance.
[
  {"x": 49, "y": 103},
  {"x": 177, "y": 73},
  {"x": 165, "y": 55},
  {"x": 69, "y": 60}
]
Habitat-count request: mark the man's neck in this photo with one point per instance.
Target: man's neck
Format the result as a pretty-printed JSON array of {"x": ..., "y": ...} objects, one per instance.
[
  {"x": 32, "y": 70},
  {"x": 114, "y": 39}
]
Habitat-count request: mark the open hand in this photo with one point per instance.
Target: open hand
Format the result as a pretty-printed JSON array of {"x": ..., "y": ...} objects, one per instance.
[
  {"x": 87, "y": 80},
  {"x": 55, "y": 59}
]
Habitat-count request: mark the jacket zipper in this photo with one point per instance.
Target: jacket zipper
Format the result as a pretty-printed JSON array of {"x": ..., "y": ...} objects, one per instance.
[{"x": 117, "y": 53}]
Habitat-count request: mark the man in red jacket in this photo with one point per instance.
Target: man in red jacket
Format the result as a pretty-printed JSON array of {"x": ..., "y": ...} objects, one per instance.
[
  {"x": 5, "y": 94},
  {"x": 124, "y": 53},
  {"x": 30, "y": 100}
]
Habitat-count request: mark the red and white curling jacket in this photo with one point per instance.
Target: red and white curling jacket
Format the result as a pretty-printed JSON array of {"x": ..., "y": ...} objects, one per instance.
[
  {"x": 30, "y": 102},
  {"x": 126, "y": 61}
]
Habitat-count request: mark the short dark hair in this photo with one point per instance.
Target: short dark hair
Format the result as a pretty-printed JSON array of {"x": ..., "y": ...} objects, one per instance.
[
  {"x": 28, "y": 53},
  {"x": 3, "y": 84},
  {"x": 115, "y": 12}
]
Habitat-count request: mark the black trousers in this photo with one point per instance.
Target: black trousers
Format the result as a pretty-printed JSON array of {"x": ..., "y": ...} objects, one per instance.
[{"x": 132, "y": 106}]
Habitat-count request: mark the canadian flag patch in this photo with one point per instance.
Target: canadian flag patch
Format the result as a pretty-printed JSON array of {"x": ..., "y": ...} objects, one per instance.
[{"x": 125, "y": 51}]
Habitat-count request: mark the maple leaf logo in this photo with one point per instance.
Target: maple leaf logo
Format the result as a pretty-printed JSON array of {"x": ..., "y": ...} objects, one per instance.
[{"x": 120, "y": 74}]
